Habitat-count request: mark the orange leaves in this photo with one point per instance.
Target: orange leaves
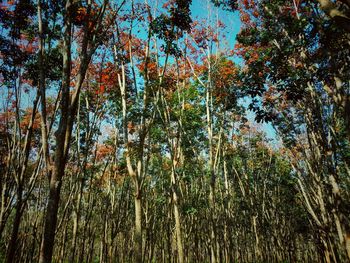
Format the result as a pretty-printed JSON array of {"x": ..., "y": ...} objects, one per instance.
[
  {"x": 251, "y": 53},
  {"x": 224, "y": 78},
  {"x": 103, "y": 151},
  {"x": 5, "y": 118},
  {"x": 24, "y": 124},
  {"x": 27, "y": 43},
  {"x": 28, "y": 47},
  {"x": 296, "y": 153},
  {"x": 105, "y": 77},
  {"x": 130, "y": 43},
  {"x": 246, "y": 3},
  {"x": 81, "y": 14},
  {"x": 131, "y": 127},
  {"x": 108, "y": 78},
  {"x": 204, "y": 35},
  {"x": 253, "y": 56},
  {"x": 276, "y": 98},
  {"x": 255, "y": 13},
  {"x": 6, "y": 5},
  {"x": 270, "y": 95},
  {"x": 249, "y": 13},
  {"x": 200, "y": 68},
  {"x": 168, "y": 4},
  {"x": 151, "y": 68}
]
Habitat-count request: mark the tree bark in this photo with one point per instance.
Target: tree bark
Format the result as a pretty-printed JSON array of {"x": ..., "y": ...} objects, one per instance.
[
  {"x": 48, "y": 239},
  {"x": 138, "y": 227},
  {"x": 10, "y": 257}
]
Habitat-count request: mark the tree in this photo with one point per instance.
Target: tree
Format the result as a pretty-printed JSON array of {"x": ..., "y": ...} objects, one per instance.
[
  {"x": 131, "y": 131},
  {"x": 290, "y": 67}
]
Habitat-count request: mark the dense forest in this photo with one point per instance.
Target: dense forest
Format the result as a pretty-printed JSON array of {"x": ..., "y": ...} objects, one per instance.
[{"x": 151, "y": 131}]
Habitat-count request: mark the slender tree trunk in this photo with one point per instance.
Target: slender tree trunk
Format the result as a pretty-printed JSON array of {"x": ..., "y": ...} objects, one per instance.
[
  {"x": 60, "y": 158},
  {"x": 20, "y": 175},
  {"x": 51, "y": 215},
  {"x": 13, "y": 241},
  {"x": 69, "y": 104},
  {"x": 63, "y": 246},
  {"x": 177, "y": 219},
  {"x": 138, "y": 227},
  {"x": 76, "y": 218}
]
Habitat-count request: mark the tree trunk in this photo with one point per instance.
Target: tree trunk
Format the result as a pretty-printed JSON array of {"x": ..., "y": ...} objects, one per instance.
[
  {"x": 47, "y": 245},
  {"x": 177, "y": 217},
  {"x": 10, "y": 257},
  {"x": 138, "y": 228}
]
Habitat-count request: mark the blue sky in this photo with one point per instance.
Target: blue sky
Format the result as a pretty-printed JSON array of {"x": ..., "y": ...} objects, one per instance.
[{"x": 201, "y": 10}]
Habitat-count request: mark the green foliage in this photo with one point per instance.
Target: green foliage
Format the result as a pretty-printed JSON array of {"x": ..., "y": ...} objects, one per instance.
[{"x": 170, "y": 27}]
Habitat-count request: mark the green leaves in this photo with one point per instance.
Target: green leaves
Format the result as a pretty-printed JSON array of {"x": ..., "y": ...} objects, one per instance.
[
  {"x": 53, "y": 62},
  {"x": 230, "y": 5},
  {"x": 170, "y": 27}
]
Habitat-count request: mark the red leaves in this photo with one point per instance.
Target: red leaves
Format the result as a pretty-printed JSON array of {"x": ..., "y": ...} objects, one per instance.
[
  {"x": 251, "y": 53},
  {"x": 27, "y": 44},
  {"x": 108, "y": 78},
  {"x": 100, "y": 79},
  {"x": 28, "y": 47},
  {"x": 102, "y": 88},
  {"x": 105, "y": 77},
  {"x": 246, "y": 3},
  {"x": 245, "y": 17}
]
